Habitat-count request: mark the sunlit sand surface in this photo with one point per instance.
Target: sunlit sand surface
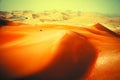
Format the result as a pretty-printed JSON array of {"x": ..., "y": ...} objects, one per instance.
[
  {"x": 53, "y": 45},
  {"x": 59, "y": 52}
]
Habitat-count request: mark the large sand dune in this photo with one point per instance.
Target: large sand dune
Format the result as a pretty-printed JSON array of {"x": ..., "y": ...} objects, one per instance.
[{"x": 59, "y": 52}]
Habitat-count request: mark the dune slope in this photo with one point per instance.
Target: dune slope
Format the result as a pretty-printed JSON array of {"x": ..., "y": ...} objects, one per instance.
[{"x": 59, "y": 52}]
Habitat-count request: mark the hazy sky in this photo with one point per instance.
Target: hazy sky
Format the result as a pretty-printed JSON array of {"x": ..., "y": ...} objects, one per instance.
[{"x": 104, "y": 6}]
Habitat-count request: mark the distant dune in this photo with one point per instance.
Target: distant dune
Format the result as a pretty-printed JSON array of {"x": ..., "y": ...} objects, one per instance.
[{"x": 62, "y": 17}]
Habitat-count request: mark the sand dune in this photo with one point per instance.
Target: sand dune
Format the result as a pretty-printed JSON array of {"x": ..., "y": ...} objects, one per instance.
[{"x": 59, "y": 52}]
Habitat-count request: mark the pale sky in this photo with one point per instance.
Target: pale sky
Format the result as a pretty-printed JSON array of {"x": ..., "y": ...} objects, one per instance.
[{"x": 103, "y": 6}]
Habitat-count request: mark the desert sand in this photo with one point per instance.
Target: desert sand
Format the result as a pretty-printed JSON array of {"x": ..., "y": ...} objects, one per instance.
[
  {"x": 59, "y": 45},
  {"x": 59, "y": 52},
  {"x": 68, "y": 17}
]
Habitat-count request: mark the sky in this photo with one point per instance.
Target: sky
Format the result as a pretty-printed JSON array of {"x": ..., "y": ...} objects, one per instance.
[{"x": 102, "y": 6}]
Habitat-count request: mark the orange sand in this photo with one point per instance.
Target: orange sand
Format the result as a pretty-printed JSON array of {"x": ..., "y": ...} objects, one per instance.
[{"x": 59, "y": 52}]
